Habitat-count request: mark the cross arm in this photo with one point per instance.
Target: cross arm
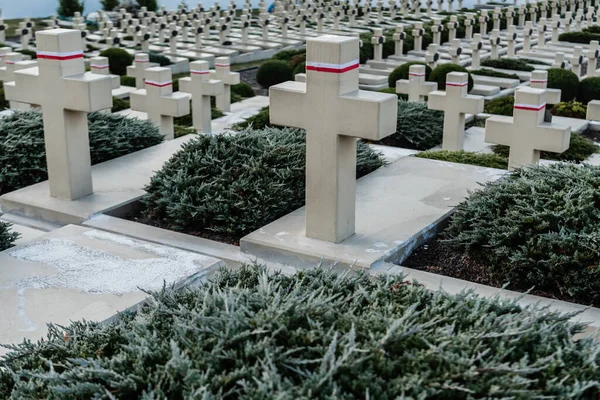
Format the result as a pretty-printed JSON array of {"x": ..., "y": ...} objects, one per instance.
[
  {"x": 367, "y": 115},
  {"x": 552, "y": 138},
  {"x": 552, "y": 96},
  {"x": 437, "y": 100},
  {"x": 593, "y": 110},
  {"x": 212, "y": 87},
  {"x": 185, "y": 85},
  {"x": 469, "y": 104},
  {"x": 28, "y": 87},
  {"x": 287, "y": 104},
  {"x": 88, "y": 92},
  {"x": 176, "y": 104},
  {"x": 137, "y": 100},
  {"x": 498, "y": 130}
]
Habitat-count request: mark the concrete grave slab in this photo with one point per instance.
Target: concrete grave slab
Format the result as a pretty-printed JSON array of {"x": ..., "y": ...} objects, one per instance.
[
  {"x": 78, "y": 272},
  {"x": 391, "y": 220}
]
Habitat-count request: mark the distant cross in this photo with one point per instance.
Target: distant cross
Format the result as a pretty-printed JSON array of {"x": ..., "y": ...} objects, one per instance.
[
  {"x": 576, "y": 60},
  {"x": 526, "y": 133},
  {"x": 511, "y": 37},
  {"x": 334, "y": 113},
  {"x": 159, "y": 101},
  {"x": 377, "y": 41},
  {"x": 452, "y": 27},
  {"x": 510, "y": 16},
  {"x": 432, "y": 56},
  {"x": 592, "y": 55},
  {"x": 399, "y": 37},
  {"x": 455, "y": 102},
  {"x": 494, "y": 43},
  {"x": 539, "y": 80},
  {"x": 222, "y": 72},
  {"x": 455, "y": 50},
  {"x": 138, "y": 70},
  {"x": 2, "y": 31},
  {"x": 415, "y": 86},
  {"x": 417, "y": 33},
  {"x": 25, "y": 33},
  {"x": 483, "y": 21},
  {"x": 541, "y": 28},
  {"x": 469, "y": 22},
  {"x": 436, "y": 30},
  {"x": 593, "y": 110},
  {"x": 14, "y": 62},
  {"x": 99, "y": 65},
  {"x": 202, "y": 88},
  {"x": 66, "y": 94},
  {"x": 527, "y": 32}
]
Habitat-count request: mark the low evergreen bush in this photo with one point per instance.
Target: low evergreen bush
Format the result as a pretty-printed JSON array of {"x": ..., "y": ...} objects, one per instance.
[
  {"x": 258, "y": 121},
  {"x": 401, "y": 72},
  {"x": 492, "y": 73},
  {"x": 159, "y": 59},
  {"x": 7, "y": 237},
  {"x": 570, "y": 109},
  {"x": 507, "y": 63},
  {"x": 417, "y": 127},
  {"x": 235, "y": 184},
  {"x": 23, "y": 154},
  {"x": 273, "y": 72},
  {"x": 589, "y": 89},
  {"x": 118, "y": 60},
  {"x": 300, "y": 68},
  {"x": 243, "y": 89},
  {"x": 119, "y": 105},
  {"x": 287, "y": 55},
  {"x": 534, "y": 61},
  {"x": 584, "y": 37},
  {"x": 500, "y": 106},
  {"x": 538, "y": 227},
  {"x": 466, "y": 157},
  {"x": 440, "y": 72},
  {"x": 248, "y": 334},
  {"x": 566, "y": 81},
  {"x": 580, "y": 148},
  {"x": 128, "y": 81}
]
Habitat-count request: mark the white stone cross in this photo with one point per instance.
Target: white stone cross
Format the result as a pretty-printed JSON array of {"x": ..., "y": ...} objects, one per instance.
[
  {"x": 138, "y": 69},
  {"x": 417, "y": 33},
  {"x": 476, "y": 46},
  {"x": 559, "y": 61},
  {"x": 511, "y": 37},
  {"x": 539, "y": 80},
  {"x": 14, "y": 62},
  {"x": 201, "y": 87},
  {"x": 222, "y": 73},
  {"x": 576, "y": 60},
  {"x": 2, "y": 31},
  {"x": 533, "y": 12},
  {"x": 510, "y": 15},
  {"x": 159, "y": 101},
  {"x": 377, "y": 41},
  {"x": 455, "y": 102},
  {"x": 25, "y": 33},
  {"x": 432, "y": 56},
  {"x": 452, "y": 27},
  {"x": 541, "y": 28},
  {"x": 455, "y": 51},
  {"x": 527, "y": 32},
  {"x": 334, "y": 113},
  {"x": 99, "y": 65},
  {"x": 415, "y": 86},
  {"x": 483, "y": 21},
  {"x": 66, "y": 94},
  {"x": 399, "y": 37},
  {"x": 469, "y": 22},
  {"x": 436, "y": 30},
  {"x": 593, "y": 110},
  {"x": 592, "y": 56},
  {"x": 521, "y": 11},
  {"x": 494, "y": 43},
  {"x": 496, "y": 15},
  {"x": 526, "y": 133},
  {"x": 3, "y": 52}
]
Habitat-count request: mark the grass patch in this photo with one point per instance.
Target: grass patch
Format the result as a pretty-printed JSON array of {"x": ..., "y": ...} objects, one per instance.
[{"x": 466, "y": 157}]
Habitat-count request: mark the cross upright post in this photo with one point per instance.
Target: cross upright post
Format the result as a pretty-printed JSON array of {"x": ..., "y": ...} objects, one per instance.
[
  {"x": 61, "y": 70},
  {"x": 377, "y": 41},
  {"x": 476, "y": 46},
  {"x": 201, "y": 87},
  {"x": 541, "y": 28},
  {"x": 141, "y": 63},
  {"x": 338, "y": 113},
  {"x": 511, "y": 38},
  {"x": 576, "y": 60},
  {"x": 455, "y": 102},
  {"x": 510, "y": 15},
  {"x": 452, "y": 27},
  {"x": 415, "y": 86},
  {"x": 432, "y": 56},
  {"x": 2, "y": 31},
  {"x": 399, "y": 37},
  {"x": 417, "y": 33},
  {"x": 469, "y": 22},
  {"x": 455, "y": 51},
  {"x": 159, "y": 101},
  {"x": 527, "y": 32},
  {"x": 592, "y": 56},
  {"x": 483, "y": 21},
  {"x": 494, "y": 43},
  {"x": 222, "y": 73},
  {"x": 526, "y": 133}
]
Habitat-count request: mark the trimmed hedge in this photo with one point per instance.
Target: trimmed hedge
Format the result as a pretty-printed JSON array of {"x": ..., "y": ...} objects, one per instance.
[
  {"x": 248, "y": 334},
  {"x": 580, "y": 148},
  {"x": 500, "y": 106},
  {"x": 128, "y": 81},
  {"x": 440, "y": 72},
  {"x": 158, "y": 59},
  {"x": 538, "y": 227},
  {"x": 23, "y": 154},
  {"x": 118, "y": 60},
  {"x": 7, "y": 238},
  {"x": 589, "y": 89},
  {"x": 243, "y": 89},
  {"x": 566, "y": 81},
  {"x": 466, "y": 157},
  {"x": 120, "y": 104},
  {"x": 235, "y": 184},
  {"x": 584, "y": 37},
  {"x": 507, "y": 63},
  {"x": 417, "y": 127},
  {"x": 300, "y": 68},
  {"x": 273, "y": 72},
  {"x": 571, "y": 109},
  {"x": 492, "y": 73},
  {"x": 401, "y": 72}
]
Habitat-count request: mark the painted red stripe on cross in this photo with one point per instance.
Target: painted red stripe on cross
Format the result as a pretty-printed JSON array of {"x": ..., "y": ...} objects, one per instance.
[
  {"x": 199, "y": 72},
  {"x": 456, "y": 84},
  {"x": 99, "y": 66},
  {"x": 529, "y": 107},
  {"x": 416, "y": 74},
  {"x": 59, "y": 58},
  {"x": 158, "y": 84},
  {"x": 332, "y": 70}
]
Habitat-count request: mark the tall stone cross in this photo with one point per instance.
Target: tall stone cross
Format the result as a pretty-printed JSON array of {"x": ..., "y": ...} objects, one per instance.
[
  {"x": 510, "y": 15},
  {"x": 399, "y": 37},
  {"x": 159, "y": 101},
  {"x": 539, "y": 80},
  {"x": 201, "y": 87},
  {"x": 66, "y": 94},
  {"x": 541, "y": 28},
  {"x": 527, "y": 32},
  {"x": 526, "y": 133},
  {"x": 469, "y": 22},
  {"x": 138, "y": 69},
  {"x": 593, "y": 110},
  {"x": 415, "y": 86},
  {"x": 476, "y": 46},
  {"x": 432, "y": 56},
  {"x": 377, "y": 41},
  {"x": 334, "y": 113},
  {"x": 455, "y": 50},
  {"x": 436, "y": 30},
  {"x": 222, "y": 73},
  {"x": 511, "y": 37},
  {"x": 576, "y": 60},
  {"x": 455, "y": 102},
  {"x": 452, "y": 27},
  {"x": 99, "y": 65},
  {"x": 494, "y": 43},
  {"x": 2, "y": 31},
  {"x": 592, "y": 56},
  {"x": 483, "y": 21},
  {"x": 417, "y": 33}
]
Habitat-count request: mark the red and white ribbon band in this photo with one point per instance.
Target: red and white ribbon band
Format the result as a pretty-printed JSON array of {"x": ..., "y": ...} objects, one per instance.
[
  {"x": 142, "y": 61},
  {"x": 416, "y": 74},
  {"x": 222, "y": 65},
  {"x": 457, "y": 84},
  {"x": 158, "y": 84},
  {"x": 198, "y": 72},
  {"x": 50, "y": 55},
  {"x": 9, "y": 62},
  {"x": 529, "y": 107},
  {"x": 98, "y": 66},
  {"x": 538, "y": 80},
  {"x": 334, "y": 68}
]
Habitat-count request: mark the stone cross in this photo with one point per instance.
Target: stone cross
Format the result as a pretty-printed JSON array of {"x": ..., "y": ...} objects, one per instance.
[
  {"x": 450, "y": 5},
  {"x": 432, "y": 56},
  {"x": 377, "y": 41},
  {"x": 593, "y": 110},
  {"x": 521, "y": 11},
  {"x": 563, "y": 7},
  {"x": 476, "y": 46},
  {"x": 592, "y": 56},
  {"x": 222, "y": 72},
  {"x": 99, "y": 66},
  {"x": 589, "y": 16},
  {"x": 511, "y": 37},
  {"x": 510, "y": 16},
  {"x": 526, "y": 133},
  {"x": 559, "y": 61},
  {"x": 436, "y": 30},
  {"x": 173, "y": 33},
  {"x": 159, "y": 101},
  {"x": 14, "y": 62},
  {"x": 576, "y": 60},
  {"x": 61, "y": 71},
  {"x": 544, "y": 9},
  {"x": 415, "y": 86},
  {"x": 533, "y": 12},
  {"x": 554, "y": 7},
  {"x": 455, "y": 102},
  {"x": 541, "y": 28},
  {"x": 555, "y": 26},
  {"x": 455, "y": 51},
  {"x": 496, "y": 15},
  {"x": 469, "y": 22},
  {"x": 417, "y": 9},
  {"x": 3, "y": 52},
  {"x": 452, "y": 27},
  {"x": 137, "y": 69},
  {"x": 539, "y": 80},
  {"x": 483, "y": 21},
  {"x": 578, "y": 18},
  {"x": 567, "y": 22},
  {"x": 114, "y": 37},
  {"x": 338, "y": 112},
  {"x": 417, "y": 33},
  {"x": 25, "y": 33},
  {"x": 201, "y": 87},
  {"x": 527, "y": 32},
  {"x": 399, "y": 37},
  {"x": 2, "y": 31},
  {"x": 494, "y": 43}
]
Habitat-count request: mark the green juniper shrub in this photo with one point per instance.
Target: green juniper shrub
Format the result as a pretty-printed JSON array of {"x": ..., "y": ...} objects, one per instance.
[
  {"x": 440, "y": 72},
  {"x": 571, "y": 109},
  {"x": 538, "y": 227},
  {"x": 233, "y": 184},
  {"x": 119, "y": 105},
  {"x": 243, "y": 89},
  {"x": 583, "y": 37},
  {"x": 110, "y": 5},
  {"x": 580, "y": 148},
  {"x": 566, "y": 81},
  {"x": 251, "y": 334},
  {"x": 466, "y": 157},
  {"x": 128, "y": 38},
  {"x": 300, "y": 68},
  {"x": 287, "y": 55},
  {"x": 589, "y": 89},
  {"x": 128, "y": 81},
  {"x": 27, "y": 52},
  {"x": 7, "y": 237},
  {"x": 23, "y": 154},
  {"x": 417, "y": 127},
  {"x": 495, "y": 74},
  {"x": 258, "y": 121},
  {"x": 179, "y": 130},
  {"x": 274, "y": 72},
  {"x": 118, "y": 60},
  {"x": 507, "y": 63},
  {"x": 500, "y": 106},
  {"x": 401, "y": 72},
  {"x": 235, "y": 98},
  {"x": 159, "y": 59}
]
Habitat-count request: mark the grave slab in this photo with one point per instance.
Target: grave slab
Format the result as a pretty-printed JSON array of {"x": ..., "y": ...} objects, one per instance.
[
  {"x": 78, "y": 272},
  {"x": 398, "y": 207},
  {"x": 484, "y": 90}
]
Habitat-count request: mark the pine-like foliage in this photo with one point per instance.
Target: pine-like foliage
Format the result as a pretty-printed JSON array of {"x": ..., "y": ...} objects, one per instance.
[
  {"x": 23, "y": 154},
  {"x": 315, "y": 335},
  {"x": 235, "y": 184},
  {"x": 538, "y": 227},
  {"x": 7, "y": 237},
  {"x": 417, "y": 127},
  {"x": 466, "y": 157}
]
